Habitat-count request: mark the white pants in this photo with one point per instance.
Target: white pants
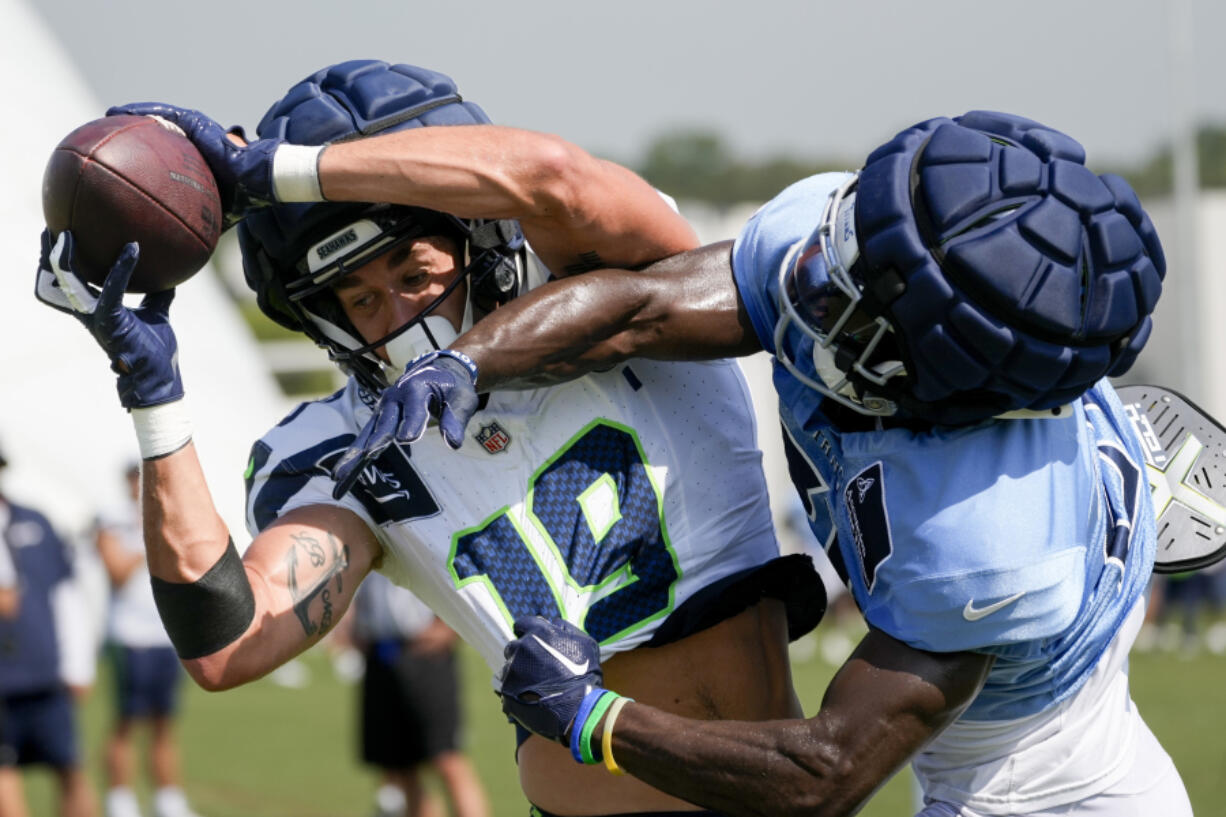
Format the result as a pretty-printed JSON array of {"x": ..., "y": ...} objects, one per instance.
[{"x": 1151, "y": 787}]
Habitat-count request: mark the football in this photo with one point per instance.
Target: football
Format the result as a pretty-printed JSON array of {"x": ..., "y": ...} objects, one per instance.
[{"x": 133, "y": 178}]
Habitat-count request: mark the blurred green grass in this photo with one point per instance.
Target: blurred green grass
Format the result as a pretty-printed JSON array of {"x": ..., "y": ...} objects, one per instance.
[{"x": 269, "y": 751}]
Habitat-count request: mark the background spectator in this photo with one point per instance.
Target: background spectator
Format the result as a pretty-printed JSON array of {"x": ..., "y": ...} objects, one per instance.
[
  {"x": 146, "y": 668},
  {"x": 410, "y": 704},
  {"x": 44, "y": 663}
]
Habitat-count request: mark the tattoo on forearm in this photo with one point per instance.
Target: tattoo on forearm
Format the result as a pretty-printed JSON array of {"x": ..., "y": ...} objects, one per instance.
[
  {"x": 308, "y": 585},
  {"x": 587, "y": 262}
]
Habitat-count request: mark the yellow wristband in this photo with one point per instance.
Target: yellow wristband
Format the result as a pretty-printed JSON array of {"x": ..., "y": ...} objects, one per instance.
[{"x": 606, "y": 739}]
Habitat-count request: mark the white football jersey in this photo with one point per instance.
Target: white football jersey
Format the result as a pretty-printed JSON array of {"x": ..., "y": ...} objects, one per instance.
[
  {"x": 385, "y": 611},
  {"x": 8, "y": 575},
  {"x": 132, "y": 615},
  {"x": 607, "y": 501}
]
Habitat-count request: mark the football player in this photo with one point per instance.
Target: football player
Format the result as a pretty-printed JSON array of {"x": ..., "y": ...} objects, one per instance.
[
  {"x": 942, "y": 324},
  {"x": 631, "y": 502}
]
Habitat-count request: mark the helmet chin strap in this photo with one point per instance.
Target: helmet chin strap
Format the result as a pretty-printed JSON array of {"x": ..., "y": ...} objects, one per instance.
[
  {"x": 838, "y": 382},
  {"x": 831, "y": 375},
  {"x": 416, "y": 340}
]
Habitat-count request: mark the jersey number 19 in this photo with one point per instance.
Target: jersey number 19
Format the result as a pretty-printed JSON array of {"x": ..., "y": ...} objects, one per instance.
[{"x": 588, "y": 543}]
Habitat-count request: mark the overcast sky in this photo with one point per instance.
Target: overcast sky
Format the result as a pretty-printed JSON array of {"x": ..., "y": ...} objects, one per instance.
[{"x": 813, "y": 78}]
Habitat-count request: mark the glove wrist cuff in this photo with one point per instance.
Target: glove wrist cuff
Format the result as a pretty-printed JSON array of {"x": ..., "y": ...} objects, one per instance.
[
  {"x": 463, "y": 359},
  {"x": 459, "y": 357},
  {"x": 162, "y": 430},
  {"x": 295, "y": 173}
]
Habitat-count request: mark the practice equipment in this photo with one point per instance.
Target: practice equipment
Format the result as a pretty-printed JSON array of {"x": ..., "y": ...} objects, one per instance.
[
  {"x": 293, "y": 254},
  {"x": 139, "y": 342},
  {"x": 125, "y": 179},
  {"x": 244, "y": 173},
  {"x": 551, "y": 668},
  {"x": 974, "y": 267},
  {"x": 1185, "y": 461},
  {"x": 203, "y": 616},
  {"x": 439, "y": 384}
]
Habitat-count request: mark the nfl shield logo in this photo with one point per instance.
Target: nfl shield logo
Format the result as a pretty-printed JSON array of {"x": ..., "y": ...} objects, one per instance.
[{"x": 494, "y": 438}]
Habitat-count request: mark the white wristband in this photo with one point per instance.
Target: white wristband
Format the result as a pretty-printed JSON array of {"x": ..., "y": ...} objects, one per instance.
[
  {"x": 295, "y": 173},
  {"x": 163, "y": 429}
]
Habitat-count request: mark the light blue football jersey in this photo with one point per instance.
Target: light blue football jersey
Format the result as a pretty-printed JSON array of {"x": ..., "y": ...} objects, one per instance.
[{"x": 1028, "y": 539}]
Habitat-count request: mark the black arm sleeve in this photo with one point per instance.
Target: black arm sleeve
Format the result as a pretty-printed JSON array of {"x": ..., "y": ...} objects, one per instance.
[{"x": 212, "y": 612}]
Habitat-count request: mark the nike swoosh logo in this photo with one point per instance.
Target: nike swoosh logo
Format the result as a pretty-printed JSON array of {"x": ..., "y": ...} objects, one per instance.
[
  {"x": 972, "y": 613},
  {"x": 576, "y": 669}
]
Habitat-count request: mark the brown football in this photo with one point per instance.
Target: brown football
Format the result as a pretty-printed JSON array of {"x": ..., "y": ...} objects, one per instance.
[{"x": 133, "y": 178}]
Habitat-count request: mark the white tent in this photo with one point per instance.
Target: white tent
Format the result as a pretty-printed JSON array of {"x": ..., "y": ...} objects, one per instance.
[{"x": 61, "y": 426}]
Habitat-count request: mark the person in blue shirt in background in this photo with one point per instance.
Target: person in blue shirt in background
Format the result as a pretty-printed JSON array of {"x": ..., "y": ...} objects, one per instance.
[
  {"x": 39, "y": 721},
  {"x": 943, "y": 323}
]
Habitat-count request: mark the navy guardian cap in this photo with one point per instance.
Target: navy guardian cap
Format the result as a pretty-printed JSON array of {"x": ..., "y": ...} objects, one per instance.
[{"x": 991, "y": 269}]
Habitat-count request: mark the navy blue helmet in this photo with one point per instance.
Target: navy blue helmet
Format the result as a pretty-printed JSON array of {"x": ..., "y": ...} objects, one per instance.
[
  {"x": 293, "y": 254},
  {"x": 975, "y": 267}
]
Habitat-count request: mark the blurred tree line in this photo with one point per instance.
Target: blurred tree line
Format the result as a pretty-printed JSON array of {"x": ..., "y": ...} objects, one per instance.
[
  {"x": 1155, "y": 176},
  {"x": 698, "y": 165}
]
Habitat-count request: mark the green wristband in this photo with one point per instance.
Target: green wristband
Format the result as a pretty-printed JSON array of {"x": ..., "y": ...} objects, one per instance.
[{"x": 589, "y": 726}]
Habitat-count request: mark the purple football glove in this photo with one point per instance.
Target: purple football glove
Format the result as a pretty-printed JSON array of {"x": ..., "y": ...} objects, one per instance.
[
  {"x": 551, "y": 667},
  {"x": 139, "y": 342},
  {"x": 441, "y": 384},
  {"x": 243, "y": 173}
]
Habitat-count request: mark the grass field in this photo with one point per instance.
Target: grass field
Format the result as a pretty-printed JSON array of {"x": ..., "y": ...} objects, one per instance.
[{"x": 268, "y": 751}]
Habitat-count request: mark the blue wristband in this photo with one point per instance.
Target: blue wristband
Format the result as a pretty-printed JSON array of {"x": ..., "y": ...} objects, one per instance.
[{"x": 585, "y": 709}]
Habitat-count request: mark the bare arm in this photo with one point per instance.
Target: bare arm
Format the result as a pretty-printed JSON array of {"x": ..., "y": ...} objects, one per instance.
[
  {"x": 9, "y": 598},
  {"x": 303, "y": 569},
  {"x": 577, "y": 211},
  {"x": 116, "y": 559},
  {"x": 682, "y": 308},
  {"x": 10, "y": 602},
  {"x": 437, "y": 639},
  {"x": 881, "y": 707}
]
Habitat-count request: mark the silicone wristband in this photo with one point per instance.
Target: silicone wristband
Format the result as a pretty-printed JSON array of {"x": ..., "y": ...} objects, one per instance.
[
  {"x": 606, "y": 738},
  {"x": 581, "y": 717},
  {"x": 589, "y": 726}
]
